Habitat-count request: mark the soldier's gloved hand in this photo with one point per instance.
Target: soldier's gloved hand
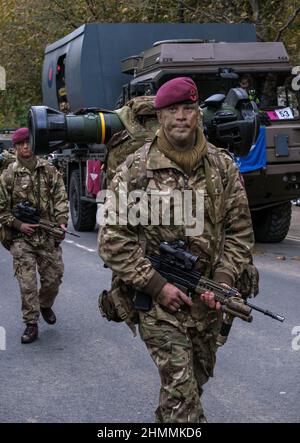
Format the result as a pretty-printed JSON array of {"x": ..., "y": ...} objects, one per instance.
[
  {"x": 172, "y": 298},
  {"x": 27, "y": 228},
  {"x": 209, "y": 299}
]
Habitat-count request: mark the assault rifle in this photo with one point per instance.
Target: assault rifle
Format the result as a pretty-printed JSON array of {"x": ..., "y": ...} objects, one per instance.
[
  {"x": 28, "y": 214},
  {"x": 177, "y": 266}
]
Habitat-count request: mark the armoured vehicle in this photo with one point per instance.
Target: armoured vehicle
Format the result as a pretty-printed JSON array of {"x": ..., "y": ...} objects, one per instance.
[
  {"x": 7, "y": 155},
  {"x": 84, "y": 71},
  {"x": 5, "y": 139}
]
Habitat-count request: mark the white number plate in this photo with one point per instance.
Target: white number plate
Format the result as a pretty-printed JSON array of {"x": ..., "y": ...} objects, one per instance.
[{"x": 284, "y": 114}]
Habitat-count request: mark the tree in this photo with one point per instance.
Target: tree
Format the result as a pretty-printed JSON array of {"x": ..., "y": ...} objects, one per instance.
[{"x": 27, "y": 26}]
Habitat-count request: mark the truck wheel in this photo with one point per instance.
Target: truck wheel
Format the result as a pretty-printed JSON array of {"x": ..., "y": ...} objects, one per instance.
[
  {"x": 271, "y": 225},
  {"x": 83, "y": 213}
]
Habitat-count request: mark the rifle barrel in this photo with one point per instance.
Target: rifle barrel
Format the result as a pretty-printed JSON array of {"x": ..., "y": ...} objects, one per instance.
[
  {"x": 266, "y": 312},
  {"x": 72, "y": 233}
]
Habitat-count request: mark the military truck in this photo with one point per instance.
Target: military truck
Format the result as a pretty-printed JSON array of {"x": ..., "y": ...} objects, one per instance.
[
  {"x": 86, "y": 71},
  {"x": 6, "y": 139},
  {"x": 6, "y": 148}
]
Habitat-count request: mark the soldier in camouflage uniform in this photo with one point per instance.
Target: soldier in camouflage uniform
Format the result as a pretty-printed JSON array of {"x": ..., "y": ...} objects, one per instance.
[
  {"x": 246, "y": 83},
  {"x": 179, "y": 332},
  {"x": 6, "y": 157},
  {"x": 36, "y": 181}
]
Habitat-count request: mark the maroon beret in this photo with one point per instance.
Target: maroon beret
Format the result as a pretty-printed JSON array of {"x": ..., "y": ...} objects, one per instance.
[
  {"x": 177, "y": 90},
  {"x": 20, "y": 135}
]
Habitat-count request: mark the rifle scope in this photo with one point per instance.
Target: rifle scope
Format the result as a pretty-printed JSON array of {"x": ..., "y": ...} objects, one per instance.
[{"x": 178, "y": 252}]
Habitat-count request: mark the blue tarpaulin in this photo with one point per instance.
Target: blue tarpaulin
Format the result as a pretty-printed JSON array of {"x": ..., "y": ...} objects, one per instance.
[{"x": 256, "y": 159}]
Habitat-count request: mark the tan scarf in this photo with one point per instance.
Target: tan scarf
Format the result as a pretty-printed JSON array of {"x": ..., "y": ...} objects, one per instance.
[
  {"x": 188, "y": 159},
  {"x": 29, "y": 163}
]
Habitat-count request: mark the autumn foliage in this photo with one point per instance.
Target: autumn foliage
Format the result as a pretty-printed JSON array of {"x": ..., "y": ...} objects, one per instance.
[{"x": 27, "y": 26}]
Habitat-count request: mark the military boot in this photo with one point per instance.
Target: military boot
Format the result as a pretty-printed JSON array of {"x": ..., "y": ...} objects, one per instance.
[
  {"x": 30, "y": 334},
  {"x": 48, "y": 315}
]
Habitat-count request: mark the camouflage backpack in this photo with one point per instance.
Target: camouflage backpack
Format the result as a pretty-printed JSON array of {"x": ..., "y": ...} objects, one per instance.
[
  {"x": 6, "y": 157},
  {"x": 139, "y": 118}
]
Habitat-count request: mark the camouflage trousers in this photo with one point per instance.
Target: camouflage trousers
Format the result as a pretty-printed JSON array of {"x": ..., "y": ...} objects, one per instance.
[
  {"x": 185, "y": 358},
  {"x": 27, "y": 259}
]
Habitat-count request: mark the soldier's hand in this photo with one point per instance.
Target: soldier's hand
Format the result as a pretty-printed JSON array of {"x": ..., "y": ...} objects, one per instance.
[
  {"x": 28, "y": 228},
  {"x": 64, "y": 228},
  {"x": 209, "y": 299},
  {"x": 172, "y": 298}
]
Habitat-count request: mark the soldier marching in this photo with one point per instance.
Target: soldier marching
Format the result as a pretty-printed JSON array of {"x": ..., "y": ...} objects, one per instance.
[
  {"x": 180, "y": 333},
  {"x": 36, "y": 181}
]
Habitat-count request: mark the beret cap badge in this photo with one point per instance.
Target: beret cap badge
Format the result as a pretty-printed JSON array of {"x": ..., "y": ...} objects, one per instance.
[{"x": 177, "y": 90}]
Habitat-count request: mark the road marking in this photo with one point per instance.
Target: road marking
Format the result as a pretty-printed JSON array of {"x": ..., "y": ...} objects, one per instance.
[
  {"x": 291, "y": 237},
  {"x": 78, "y": 245},
  {"x": 71, "y": 242}
]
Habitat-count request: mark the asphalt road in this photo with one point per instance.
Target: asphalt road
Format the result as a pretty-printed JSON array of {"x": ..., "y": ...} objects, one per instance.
[{"x": 85, "y": 369}]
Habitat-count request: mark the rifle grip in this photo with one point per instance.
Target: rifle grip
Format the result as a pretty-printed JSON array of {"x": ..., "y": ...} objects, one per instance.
[{"x": 247, "y": 318}]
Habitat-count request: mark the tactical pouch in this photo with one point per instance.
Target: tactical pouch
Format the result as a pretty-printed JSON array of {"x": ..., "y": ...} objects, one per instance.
[
  {"x": 248, "y": 283},
  {"x": 117, "y": 305},
  {"x": 6, "y": 237},
  {"x": 111, "y": 306}
]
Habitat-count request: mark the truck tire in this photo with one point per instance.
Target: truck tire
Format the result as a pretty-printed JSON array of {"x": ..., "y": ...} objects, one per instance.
[
  {"x": 271, "y": 225},
  {"x": 83, "y": 213}
]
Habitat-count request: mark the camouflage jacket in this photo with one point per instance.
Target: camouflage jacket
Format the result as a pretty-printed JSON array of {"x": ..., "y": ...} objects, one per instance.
[
  {"x": 6, "y": 158},
  {"x": 18, "y": 184},
  {"x": 227, "y": 239}
]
